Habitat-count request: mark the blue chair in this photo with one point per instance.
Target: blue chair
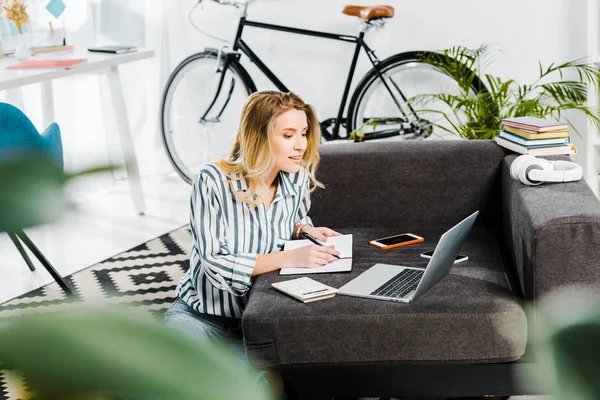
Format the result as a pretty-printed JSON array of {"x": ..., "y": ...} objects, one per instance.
[{"x": 19, "y": 136}]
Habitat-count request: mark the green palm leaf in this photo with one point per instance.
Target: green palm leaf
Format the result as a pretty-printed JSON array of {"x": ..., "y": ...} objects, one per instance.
[{"x": 478, "y": 116}]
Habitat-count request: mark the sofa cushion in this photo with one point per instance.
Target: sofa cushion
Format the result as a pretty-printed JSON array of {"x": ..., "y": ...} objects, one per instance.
[
  {"x": 423, "y": 183},
  {"x": 470, "y": 316}
]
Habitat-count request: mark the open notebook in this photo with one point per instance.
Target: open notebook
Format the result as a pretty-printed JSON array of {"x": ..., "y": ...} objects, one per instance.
[{"x": 343, "y": 244}]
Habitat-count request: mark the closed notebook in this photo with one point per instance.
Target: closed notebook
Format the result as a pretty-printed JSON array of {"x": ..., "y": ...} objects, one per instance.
[
  {"x": 532, "y": 143},
  {"x": 535, "y": 124},
  {"x": 343, "y": 244},
  {"x": 113, "y": 49},
  {"x": 305, "y": 289},
  {"x": 537, "y": 151},
  {"x": 531, "y": 135}
]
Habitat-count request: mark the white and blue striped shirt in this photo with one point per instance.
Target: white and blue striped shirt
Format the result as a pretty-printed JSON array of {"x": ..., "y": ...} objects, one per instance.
[{"x": 229, "y": 234}]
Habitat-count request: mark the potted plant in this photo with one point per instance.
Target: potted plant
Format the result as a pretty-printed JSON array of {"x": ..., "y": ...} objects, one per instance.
[
  {"x": 558, "y": 89},
  {"x": 479, "y": 116}
]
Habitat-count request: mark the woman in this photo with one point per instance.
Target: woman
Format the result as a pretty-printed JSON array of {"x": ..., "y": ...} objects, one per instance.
[{"x": 242, "y": 210}]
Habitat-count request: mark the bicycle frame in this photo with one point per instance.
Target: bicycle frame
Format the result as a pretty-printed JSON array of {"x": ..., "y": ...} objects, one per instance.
[{"x": 240, "y": 44}]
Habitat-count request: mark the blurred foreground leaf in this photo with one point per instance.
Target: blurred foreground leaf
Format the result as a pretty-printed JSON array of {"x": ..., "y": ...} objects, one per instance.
[
  {"x": 568, "y": 345},
  {"x": 31, "y": 192},
  {"x": 96, "y": 353}
]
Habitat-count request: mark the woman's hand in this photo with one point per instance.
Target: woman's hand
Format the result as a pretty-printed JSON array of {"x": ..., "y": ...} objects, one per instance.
[
  {"x": 311, "y": 256},
  {"x": 320, "y": 233}
]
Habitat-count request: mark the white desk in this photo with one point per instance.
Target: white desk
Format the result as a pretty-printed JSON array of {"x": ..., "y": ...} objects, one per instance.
[{"x": 96, "y": 62}]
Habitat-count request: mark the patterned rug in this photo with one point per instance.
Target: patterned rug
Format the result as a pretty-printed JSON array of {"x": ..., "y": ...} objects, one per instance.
[{"x": 144, "y": 277}]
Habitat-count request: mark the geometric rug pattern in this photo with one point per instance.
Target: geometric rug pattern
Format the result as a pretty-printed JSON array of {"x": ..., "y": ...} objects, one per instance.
[{"x": 143, "y": 277}]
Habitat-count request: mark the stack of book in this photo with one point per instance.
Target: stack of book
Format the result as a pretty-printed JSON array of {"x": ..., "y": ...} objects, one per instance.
[{"x": 536, "y": 136}]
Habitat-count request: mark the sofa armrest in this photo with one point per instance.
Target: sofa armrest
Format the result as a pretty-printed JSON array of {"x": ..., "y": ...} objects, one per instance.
[{"x": 552, "y": 232}]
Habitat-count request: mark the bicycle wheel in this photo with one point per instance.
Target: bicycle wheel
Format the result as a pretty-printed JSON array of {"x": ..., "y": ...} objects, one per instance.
[
  {"x": 371, "y": 99},
  {"x": 192, "y": 136}
]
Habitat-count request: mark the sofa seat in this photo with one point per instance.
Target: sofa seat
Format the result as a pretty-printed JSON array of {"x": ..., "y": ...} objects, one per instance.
[{"x": 471, "y": 316}]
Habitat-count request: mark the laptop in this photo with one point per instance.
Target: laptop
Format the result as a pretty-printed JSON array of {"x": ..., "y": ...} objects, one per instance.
[{"x": 405, "y": 284}]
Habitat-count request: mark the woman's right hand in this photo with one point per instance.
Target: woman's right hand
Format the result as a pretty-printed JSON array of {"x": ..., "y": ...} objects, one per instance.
[{"x": 311, "y": 256}]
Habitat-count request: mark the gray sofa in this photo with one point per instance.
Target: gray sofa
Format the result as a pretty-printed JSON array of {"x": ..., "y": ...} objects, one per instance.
[{"x": 468, "y": 335}]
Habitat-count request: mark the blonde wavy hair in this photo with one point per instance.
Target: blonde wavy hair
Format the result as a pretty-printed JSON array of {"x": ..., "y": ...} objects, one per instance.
[{"x": 252, "y": 158}]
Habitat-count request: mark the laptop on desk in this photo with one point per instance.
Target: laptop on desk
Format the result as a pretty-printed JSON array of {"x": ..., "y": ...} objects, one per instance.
[{"x": 405, "y": 284}]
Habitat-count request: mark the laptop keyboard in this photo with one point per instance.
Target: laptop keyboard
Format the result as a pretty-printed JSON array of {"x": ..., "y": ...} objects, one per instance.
[{"x": 401, "y": 284}]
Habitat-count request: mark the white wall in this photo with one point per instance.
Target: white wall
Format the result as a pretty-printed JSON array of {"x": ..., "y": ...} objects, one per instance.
[{"x": 524, "y": 31}]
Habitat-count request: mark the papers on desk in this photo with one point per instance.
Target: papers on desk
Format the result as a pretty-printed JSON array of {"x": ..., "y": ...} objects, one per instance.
[
  {"x": 47, "y": 64},
  {"x": 343, "y": 244}
]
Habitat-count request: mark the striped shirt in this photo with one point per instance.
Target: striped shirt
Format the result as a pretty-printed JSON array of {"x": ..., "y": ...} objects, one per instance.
[{"x": 229, "y": 234}]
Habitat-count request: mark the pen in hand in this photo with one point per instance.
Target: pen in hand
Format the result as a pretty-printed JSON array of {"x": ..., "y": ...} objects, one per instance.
[{"x": 315, "y": 241}]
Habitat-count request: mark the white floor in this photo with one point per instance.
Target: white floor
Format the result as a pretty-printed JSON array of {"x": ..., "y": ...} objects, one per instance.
[{"x": 100, "y": 225}]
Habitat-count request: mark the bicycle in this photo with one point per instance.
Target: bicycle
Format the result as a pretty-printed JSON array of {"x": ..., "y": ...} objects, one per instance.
[{"x": 204, "y": 95}]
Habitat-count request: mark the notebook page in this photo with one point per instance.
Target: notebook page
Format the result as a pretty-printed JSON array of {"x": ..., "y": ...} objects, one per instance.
[{"x": 343, "y": 244}]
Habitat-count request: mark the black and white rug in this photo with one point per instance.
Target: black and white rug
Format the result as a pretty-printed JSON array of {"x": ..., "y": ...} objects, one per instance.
[{"x": 144, "y": 277}]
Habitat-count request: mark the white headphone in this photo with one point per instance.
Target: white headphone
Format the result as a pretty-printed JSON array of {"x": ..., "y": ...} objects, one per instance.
[{"x": 534, "y": 171}]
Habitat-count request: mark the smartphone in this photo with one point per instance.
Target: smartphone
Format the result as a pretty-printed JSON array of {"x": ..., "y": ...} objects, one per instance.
[
  {"x": 459, "y": 258},
  {"x": 391, "y": 242}
]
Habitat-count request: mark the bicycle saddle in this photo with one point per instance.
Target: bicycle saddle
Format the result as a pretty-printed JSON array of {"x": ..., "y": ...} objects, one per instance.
[{"x": 369, "y": 13}]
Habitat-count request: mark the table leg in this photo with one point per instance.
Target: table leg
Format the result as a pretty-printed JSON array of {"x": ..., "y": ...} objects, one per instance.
[
  {"x": 47, "y": 104},
  {"x": 133, "y": 173}
]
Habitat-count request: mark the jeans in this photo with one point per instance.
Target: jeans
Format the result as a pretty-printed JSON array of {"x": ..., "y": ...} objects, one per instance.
[{"x": 203, "y": 326}]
